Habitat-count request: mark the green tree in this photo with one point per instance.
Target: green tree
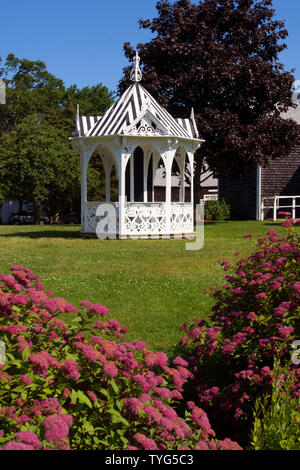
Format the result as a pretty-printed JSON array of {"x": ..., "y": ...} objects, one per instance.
[
  {"x": 37, "y": 162},
  {"x": 93, "y": 101},
  {"x": 30, "y": 89}
]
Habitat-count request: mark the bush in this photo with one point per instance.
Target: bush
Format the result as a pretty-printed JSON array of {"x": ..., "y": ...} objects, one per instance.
[
  {"x": 254, "y": 320},
  {"x": 277, "y": 417},
  {"x": 82, "y": 386},
  {"x": 216, "y": 210}
]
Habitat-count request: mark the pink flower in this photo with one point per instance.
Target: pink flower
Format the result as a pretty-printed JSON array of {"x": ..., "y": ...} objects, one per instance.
[
  {"x": 70, "y": 368},
  {"x": 29, "y": 437},
  {"x": 24, "y": 419},
  {"x": 164, "y": 392},
  {"x": 178, "y": 361},
  {"x": 286, "y": 330},
  {"x": 238, "y": 413},
  {"x": 70, "y": 308},
  {"x": 265, "y": 370},
  {"x": 262, "y": 295},
  {"x": 99, "y": 310},
  {"x": 56, "y": 428},
  {"x": 41, "y": 362},
  {"x": 251, "y": 316},
  {"x": 92, "y": 396},
  {"x": 17, "y": 446},
  {"x": 145, "y": 397},
  {"x": 147, "y": 443},
  {"x": 16, "y": 329},
  {"x": 249, "y": 235},
  {"x": 225, "y": 262},
  {"x": 202, "y": 445},
  {"x": 200, "y": 418},
  {"x": 50, "y": 305},
  {"x": 190, "y": 405},
  {"x": 133, "y": 405},
  {"x": 296, "y": 287},
  {"x": 275, "y": 285},
  {"x": 287, "y": 223},
  {"x": 88, "y": 351},
  {"x": 109, "y": 368},
  {"x": 285, "y": 214}
]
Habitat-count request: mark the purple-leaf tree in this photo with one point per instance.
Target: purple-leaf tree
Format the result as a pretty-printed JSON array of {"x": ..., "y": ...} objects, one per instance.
[{"x": 222, "y": 59}]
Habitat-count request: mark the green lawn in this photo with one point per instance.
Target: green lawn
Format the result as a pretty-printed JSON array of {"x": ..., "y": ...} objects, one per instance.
[{"x": 150, "y": 286}]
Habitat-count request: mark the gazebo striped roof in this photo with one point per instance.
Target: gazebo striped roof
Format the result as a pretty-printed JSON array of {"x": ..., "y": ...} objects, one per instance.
[{"x": 127, "y": 110}]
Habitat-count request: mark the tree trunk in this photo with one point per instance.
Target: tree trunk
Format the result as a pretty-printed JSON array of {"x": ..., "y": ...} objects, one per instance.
[
  {"x": 37, "y": 210},
  {"x": 197, "y": 178}
]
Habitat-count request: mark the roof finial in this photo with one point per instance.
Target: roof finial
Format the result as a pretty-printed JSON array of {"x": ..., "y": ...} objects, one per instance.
[{"x": 136, "y": 74}]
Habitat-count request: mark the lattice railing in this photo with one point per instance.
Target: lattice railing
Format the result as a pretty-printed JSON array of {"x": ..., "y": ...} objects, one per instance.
[
  {"x": 181, "y": 220},
  {"x": 148, "y": 219},
  {"x": 91, "y": 221},
  {"x": 143, "y": 219}
]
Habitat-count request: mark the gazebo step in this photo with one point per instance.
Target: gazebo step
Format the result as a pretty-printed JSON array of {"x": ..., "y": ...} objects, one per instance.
[{"x": 184, "y": 236}]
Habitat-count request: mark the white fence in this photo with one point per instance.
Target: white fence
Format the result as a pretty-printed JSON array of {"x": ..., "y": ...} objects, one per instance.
[
  {"x": 274, "y": 204},
  {"x": 209, "y": 197}
]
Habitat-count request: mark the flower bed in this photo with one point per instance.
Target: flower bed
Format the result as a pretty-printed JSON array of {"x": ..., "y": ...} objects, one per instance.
[
  {"x": 83, "y": 386},
  {"x": 255, "y": 320}
]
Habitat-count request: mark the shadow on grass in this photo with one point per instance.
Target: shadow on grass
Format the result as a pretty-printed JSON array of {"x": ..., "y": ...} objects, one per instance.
[
  {"x": 274, "y": 224},
  {"x": 42, "y": 233}
]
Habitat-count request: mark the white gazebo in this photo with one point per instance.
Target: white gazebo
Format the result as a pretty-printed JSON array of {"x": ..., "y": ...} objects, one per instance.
[{"x": 135, "y": 136}]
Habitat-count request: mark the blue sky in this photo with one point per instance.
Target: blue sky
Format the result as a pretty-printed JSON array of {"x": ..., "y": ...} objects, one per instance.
[{"x": 81, "y": 41}]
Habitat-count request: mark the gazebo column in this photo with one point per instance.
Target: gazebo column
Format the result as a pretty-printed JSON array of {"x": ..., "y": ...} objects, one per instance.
[
  {"x": 191, "y": 161},
  {"x": 84, "y": 161},
  {"x": 122, "y": 163},
  {"x": 168, "y": 160},
  {"x": 153, "y": 176},
  {"x": 132, "y": 178}
]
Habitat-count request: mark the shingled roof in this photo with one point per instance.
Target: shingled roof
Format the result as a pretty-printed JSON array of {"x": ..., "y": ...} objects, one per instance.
[{"x": 123, "y": 117}]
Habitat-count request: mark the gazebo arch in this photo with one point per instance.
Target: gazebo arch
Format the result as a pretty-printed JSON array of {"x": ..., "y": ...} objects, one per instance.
[{"x": 134, "y": 134}]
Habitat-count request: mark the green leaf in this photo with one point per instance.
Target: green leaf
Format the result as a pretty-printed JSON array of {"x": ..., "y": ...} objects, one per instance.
[
  {"x": 74, "y": 397},
  {"x": 114, "y": 386},
  {"x": 116, "y": 417},
  {"x": 88, "y": 427},
  {"x": 84, "y": 399},
  {"x": 104, "y": 392},
  {"x": 26, "y": 353}
]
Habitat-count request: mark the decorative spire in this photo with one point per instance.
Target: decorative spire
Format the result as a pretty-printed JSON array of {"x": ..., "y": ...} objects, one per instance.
[{"x": 136, "y": 74}]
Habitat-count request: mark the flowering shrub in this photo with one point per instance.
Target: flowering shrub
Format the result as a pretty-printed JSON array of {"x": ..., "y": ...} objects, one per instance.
[
  {"x": 81, "y": 385},
  {"x": 254, "y": 320}
]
